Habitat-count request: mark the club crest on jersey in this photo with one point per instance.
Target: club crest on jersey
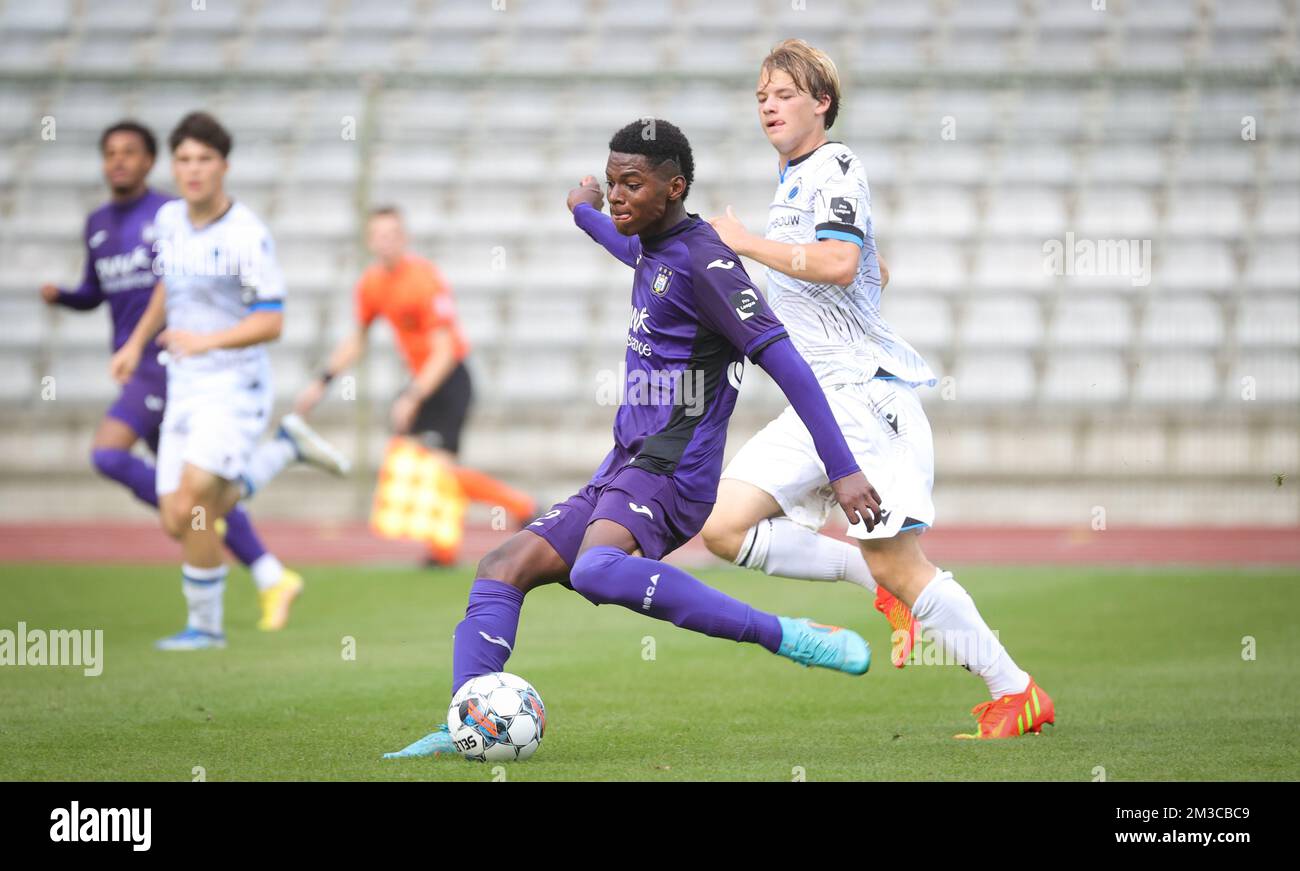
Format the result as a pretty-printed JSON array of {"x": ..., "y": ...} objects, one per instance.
[
  {"x": 794, "y": 192},
  {"x": 662, "y": 279}
]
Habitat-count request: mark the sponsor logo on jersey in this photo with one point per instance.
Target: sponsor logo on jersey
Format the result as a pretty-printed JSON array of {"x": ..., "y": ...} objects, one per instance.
[
  {"x": 115, "y": 266},
  {"x": 845, "y": 209},
  {"x": 649, "y": 591},
  {"x": 735, "y": 372},
  {"x": 786, "y": 221},
  {"x": 745, "y": 302},
  {"x": 721, "y": 264},
  {"x": 662, "y": 279}
]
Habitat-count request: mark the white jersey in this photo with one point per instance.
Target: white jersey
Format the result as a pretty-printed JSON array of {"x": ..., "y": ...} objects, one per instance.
[
  {"x": 838, "y": 330},
  {"x": 214, "y": 278}
]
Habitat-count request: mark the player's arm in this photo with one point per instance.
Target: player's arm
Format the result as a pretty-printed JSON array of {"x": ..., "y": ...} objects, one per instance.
[
  {"x": 791, "y": 373},
  {"x": 826, "y": 261},
  {"x": 729, "y": 304},
  {"x": 88, "y": 294},
  {"x": 342, "y": 358},
  {"x": 586, "y": 202},
  {"x": 441, "y": 362},
  {"x": 125, "y": 360},
  {"x": 263, "y": 324},
  {"x": 884, "y": 270}
]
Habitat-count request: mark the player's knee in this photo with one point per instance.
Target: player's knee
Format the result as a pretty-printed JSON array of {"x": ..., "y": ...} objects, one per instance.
[
  {"x": 722, "y": 538},
  {"x": 179, "y": 514},
  {"x": 592, "y": 572},
  {"x": 110, "y": 462},
  {"x": 501, "y": 564}
]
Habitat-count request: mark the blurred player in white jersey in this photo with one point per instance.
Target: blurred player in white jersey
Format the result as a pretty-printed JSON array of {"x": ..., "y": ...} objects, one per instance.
[
  {"x": 824, "y": 283},
  {"x": 221, "y": 297}
]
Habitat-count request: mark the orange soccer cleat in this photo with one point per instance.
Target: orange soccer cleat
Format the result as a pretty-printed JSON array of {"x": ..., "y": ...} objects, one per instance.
[
  {"x": 1013, "y": 715},
  {"x": 904, "y": 625}
]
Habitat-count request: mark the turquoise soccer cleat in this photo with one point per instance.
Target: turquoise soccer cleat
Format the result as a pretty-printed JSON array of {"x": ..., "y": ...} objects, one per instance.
[
  {"x": 436, "y": 743},
  {"x": 190, "y": 638},
  {"x": 809, "y": 644}
]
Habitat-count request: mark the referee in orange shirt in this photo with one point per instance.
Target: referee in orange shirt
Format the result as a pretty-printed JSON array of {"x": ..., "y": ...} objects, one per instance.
[{"x": 412, "y": 295}]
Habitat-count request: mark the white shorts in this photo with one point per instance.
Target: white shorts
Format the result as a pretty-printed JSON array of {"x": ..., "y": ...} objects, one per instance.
[
  {"x": 212, "y": 429},
  {"x": 889, "y": 435}
]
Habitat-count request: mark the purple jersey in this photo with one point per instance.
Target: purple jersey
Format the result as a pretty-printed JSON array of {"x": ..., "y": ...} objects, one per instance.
[
  {"x": 119, "y": 268},
  {"x": 695, "y": 316}
]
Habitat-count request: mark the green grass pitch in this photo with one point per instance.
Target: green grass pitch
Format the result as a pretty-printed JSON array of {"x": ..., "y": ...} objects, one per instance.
[{"x": 1145, "y": 665}]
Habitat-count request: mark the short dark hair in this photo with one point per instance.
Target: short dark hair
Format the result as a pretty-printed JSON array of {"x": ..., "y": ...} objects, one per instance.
[
  {"x": 660, "y": 141},
  {"x": 202, "y": 127},
  {"x": 129, "y": 126},
  {"x": 385, "y": 211}
]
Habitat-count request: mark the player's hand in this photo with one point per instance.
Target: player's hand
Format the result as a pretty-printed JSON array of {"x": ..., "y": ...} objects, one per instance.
[
  {"x": 588, "y": 191},
  {"x": 49, "y": 293},
  {"x": 729, "y": 229},
  {"x": 403, "y": 413},
  {"x": 858, "y": 498},
  {"x": 123, "y": 363},
  {"x": 309, "y": 397},
  {"x": 183, "y": 343}
]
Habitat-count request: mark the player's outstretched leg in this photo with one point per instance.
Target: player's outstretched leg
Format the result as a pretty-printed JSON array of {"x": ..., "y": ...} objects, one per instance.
[
  {"x": 608, "y": 575},
  {"x": 748, "y": 528},
  {"x": 294, "y": 441},
  {"x": 949, "y": 614},
  {"x": 485, "y": 639}
]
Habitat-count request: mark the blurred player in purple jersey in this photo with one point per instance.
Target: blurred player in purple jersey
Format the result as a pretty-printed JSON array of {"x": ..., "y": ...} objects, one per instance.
[
  {"x": 119, "y": 268},
  {"x": 695, "y": 317}
]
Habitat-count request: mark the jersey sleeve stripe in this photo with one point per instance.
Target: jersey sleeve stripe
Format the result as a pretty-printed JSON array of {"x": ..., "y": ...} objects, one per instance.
[
  {"x": 267, "y": 305},
  {"x": 834, "y": 230},
  {"x": 775, "y": 334}
]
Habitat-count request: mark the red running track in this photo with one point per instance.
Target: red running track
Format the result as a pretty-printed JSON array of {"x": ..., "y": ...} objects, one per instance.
[{"x": 353, "y": 544}]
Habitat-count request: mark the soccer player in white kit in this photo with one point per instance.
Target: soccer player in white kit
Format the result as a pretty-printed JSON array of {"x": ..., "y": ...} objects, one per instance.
[
  {"x": 824, "y": 283},
  {"x": 221, "y": 296}
]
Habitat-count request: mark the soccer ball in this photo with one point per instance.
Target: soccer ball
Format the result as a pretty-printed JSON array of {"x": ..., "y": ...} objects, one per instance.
[{"x": 498, "y": 717}]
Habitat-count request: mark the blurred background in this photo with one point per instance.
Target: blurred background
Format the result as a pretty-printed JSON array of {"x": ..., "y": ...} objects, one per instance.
[{"x": 1164, "y": 397}]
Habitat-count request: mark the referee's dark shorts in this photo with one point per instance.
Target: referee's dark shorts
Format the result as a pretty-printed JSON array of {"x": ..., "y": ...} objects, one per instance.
[{"x": 441, "y": 417}]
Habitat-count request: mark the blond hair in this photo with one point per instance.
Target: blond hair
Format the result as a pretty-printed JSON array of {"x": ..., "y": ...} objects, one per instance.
[{"x": 812, "y": 70}]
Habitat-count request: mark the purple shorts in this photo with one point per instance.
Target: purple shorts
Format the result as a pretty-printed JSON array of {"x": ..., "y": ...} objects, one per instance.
[
  {"x": 142, "y": 403},
  {"x": 645, "y": 504}
]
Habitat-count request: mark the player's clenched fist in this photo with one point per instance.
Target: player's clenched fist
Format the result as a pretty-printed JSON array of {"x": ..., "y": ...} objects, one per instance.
[
  {"x": 123, "y": 363},
  {"x": 858, "y": 499},
  {"x": 588, "y": 191}
]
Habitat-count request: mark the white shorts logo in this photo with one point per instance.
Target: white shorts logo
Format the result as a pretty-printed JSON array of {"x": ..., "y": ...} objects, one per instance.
[{"x": 641, "y": 509}]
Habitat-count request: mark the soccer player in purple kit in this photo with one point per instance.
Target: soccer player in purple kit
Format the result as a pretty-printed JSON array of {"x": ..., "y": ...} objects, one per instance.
[
  {"x": 119, "y": 269},
  {"x": 695, "y": 315}
]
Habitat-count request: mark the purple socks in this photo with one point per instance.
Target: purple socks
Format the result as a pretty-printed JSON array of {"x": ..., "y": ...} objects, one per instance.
[
  {"x": 486, "y": 637},
  {"x": 606, "y": 575},
  {"x": 138, "y": 476}
]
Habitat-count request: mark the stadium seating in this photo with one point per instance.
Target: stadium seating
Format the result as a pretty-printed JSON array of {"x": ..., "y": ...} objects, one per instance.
[{"x": 1062, "y": 123}]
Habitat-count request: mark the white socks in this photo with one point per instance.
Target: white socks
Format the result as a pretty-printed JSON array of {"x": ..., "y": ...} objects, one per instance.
[
  {"x": 268, "y": 460},
  {"x": 779, "y": 546},
  {"x": 266, "y": 571},
  {"x": 204, "y": 590},
  {"x": 945, "y": 609}
]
